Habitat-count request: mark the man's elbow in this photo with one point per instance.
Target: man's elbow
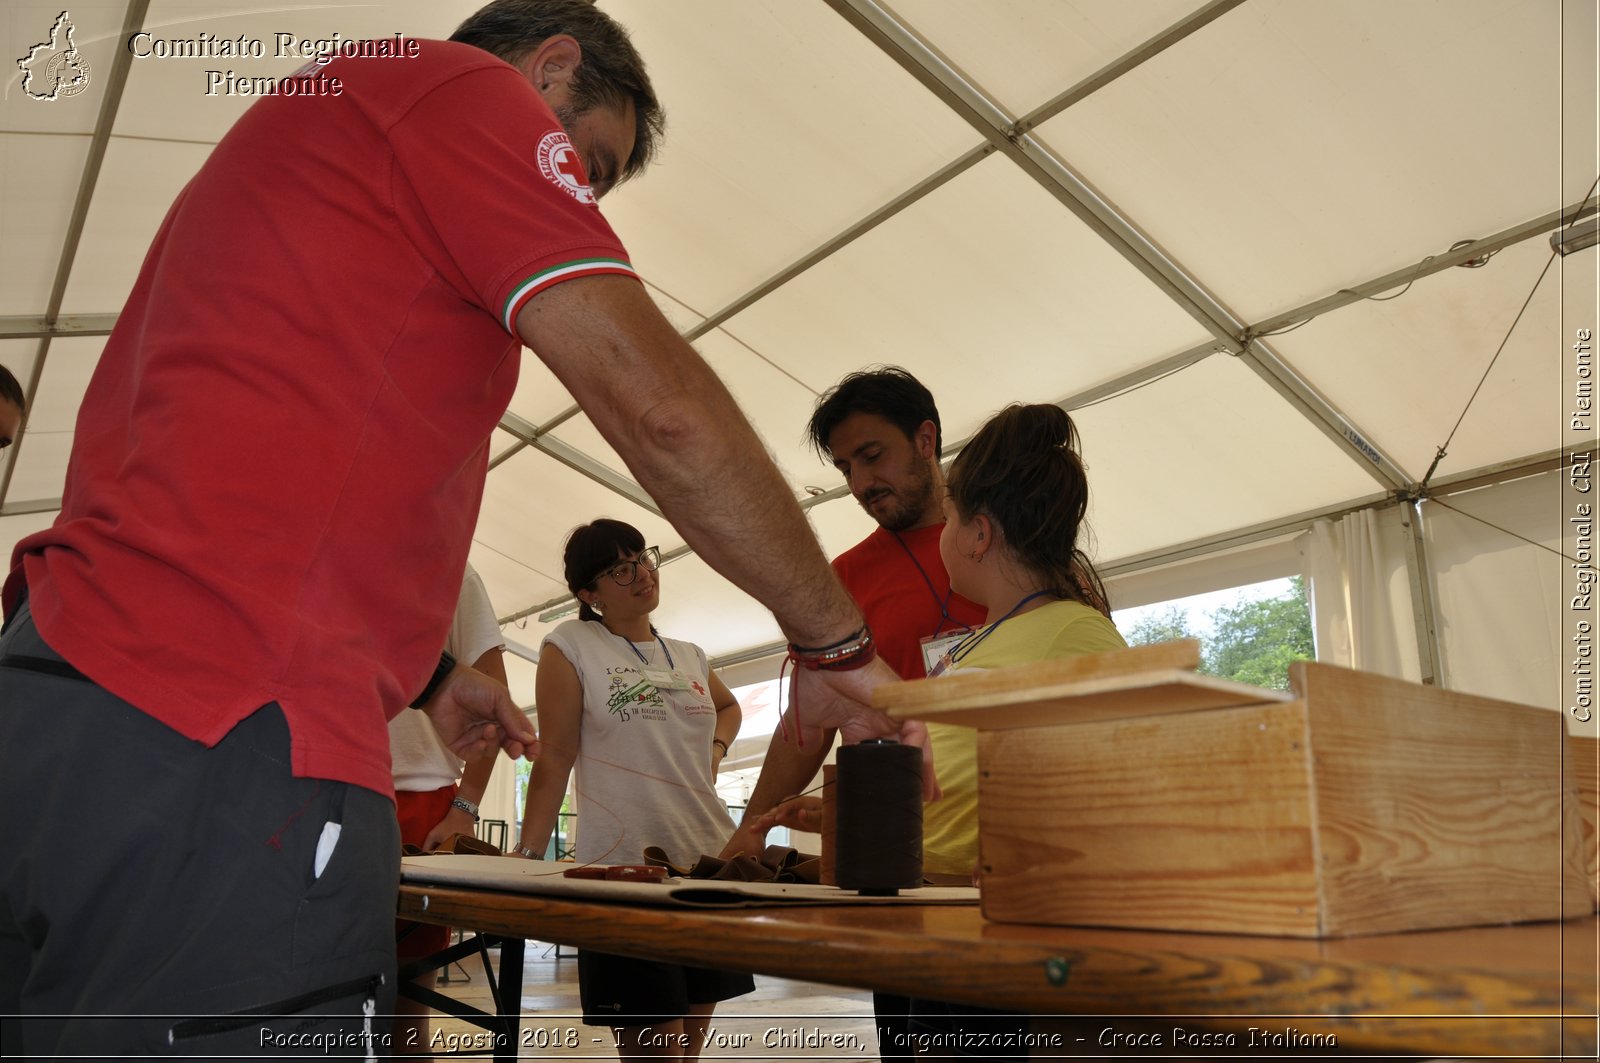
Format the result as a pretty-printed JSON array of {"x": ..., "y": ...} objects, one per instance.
[{"x": 678, "y": 426}]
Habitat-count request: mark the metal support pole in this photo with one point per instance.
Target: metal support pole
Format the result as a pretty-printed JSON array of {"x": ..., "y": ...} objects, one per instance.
[{"x": 1424, "y": 596}]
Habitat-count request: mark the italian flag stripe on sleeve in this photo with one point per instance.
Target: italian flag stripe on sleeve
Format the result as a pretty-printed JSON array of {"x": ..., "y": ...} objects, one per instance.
[{"x": 532, "y": 286}]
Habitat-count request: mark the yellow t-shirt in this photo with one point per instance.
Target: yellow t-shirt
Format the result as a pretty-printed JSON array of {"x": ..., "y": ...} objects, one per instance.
[{"x": 1059, "y": 629}]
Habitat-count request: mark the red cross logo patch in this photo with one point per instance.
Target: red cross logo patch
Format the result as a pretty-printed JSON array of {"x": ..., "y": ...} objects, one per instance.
[{"x": 558, "y": 161}]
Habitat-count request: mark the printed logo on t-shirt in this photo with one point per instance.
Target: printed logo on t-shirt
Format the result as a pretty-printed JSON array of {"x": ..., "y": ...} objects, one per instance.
[
  {"x": 558, "y": 161},
  {"x": 627, "y": 696}
]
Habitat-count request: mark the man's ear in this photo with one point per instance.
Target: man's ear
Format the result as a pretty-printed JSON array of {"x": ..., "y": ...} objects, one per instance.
[
  {"x": 925, "y": 439},
  {"x": 550, "y": 66}
]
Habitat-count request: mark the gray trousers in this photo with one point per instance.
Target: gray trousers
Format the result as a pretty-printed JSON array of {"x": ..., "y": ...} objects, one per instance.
[{"x": 160, "y": 897}]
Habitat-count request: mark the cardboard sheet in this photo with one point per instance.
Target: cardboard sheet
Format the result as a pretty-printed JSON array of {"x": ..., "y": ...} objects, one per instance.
[{"x": 547, "y": 878}]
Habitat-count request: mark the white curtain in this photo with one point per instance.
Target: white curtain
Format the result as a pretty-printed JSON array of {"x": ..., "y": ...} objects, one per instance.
[
  {"x": 1504, "y": 589},
  {"x": 1361, "y": 593}
]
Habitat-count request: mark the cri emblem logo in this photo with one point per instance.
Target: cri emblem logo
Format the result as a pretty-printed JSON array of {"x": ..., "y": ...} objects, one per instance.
[
  {"x": 558, "y": 161},
  {"x": 55, "y": 69}
]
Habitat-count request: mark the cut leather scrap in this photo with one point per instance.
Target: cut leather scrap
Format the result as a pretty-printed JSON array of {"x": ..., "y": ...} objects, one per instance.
[
  {"x": 456, "y": 843},
  {"x": 777, "y": 863}
]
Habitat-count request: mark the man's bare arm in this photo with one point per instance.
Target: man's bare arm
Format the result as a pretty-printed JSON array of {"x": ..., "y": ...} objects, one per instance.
[{"x": 682, "y": 435}]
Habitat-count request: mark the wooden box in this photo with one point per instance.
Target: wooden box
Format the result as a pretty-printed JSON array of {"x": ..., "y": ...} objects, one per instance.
[{"x": 1125, "y": 791}]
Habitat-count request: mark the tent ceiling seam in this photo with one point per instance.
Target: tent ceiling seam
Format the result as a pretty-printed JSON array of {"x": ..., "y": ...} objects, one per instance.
[
  {"x": 950, "y": 85},
  {"x": 1128, "y": 61}
]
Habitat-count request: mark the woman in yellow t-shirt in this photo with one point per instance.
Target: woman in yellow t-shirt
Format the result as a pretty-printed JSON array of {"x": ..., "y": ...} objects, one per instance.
[{"x": 1013, "y": 543}]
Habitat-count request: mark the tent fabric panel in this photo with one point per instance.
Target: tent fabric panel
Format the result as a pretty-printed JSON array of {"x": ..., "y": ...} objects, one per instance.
[
  {"x": 530, "y": 505},
  {"x": 1405, "y": 368},
  {"x": 985, "y": 289},
  {"x": 1291, "y": 150},
  {"x": 38, "y": 186},
  {"x": 1025, "y": 52},
  {"x": 798, "y": 130},
  {"x": 138, "y": 182},
  {"x": 1201, "y": 452}
]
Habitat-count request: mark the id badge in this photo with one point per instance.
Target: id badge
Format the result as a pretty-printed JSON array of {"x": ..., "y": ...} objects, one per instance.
[
  {"x": 662, "y": 679},
  {"x": 936, "y": 647}
]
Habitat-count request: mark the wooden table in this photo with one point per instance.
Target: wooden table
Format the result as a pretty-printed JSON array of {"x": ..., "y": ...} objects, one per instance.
[{"x": 1521, "y": 991}]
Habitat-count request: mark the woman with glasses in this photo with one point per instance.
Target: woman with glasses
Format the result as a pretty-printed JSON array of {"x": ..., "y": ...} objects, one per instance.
[{"x": 645, "y": 723}]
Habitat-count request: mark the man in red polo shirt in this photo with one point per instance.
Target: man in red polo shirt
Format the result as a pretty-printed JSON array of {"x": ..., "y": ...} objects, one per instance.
[
  {"x": 274, "y": 480},
  {"x": 880, "y": 429}
]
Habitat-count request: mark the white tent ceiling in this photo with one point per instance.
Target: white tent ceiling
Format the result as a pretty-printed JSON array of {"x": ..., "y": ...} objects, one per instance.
[{"x": 1099, "y": 202}]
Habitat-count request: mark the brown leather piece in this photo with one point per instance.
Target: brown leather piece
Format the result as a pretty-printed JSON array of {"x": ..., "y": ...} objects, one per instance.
[
  {"x": 456, "y": 843},
  {"x": 777, "y": 864}
]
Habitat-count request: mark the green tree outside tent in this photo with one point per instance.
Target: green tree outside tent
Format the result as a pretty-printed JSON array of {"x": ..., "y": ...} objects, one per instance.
[{"x": 1250, "y": 641}]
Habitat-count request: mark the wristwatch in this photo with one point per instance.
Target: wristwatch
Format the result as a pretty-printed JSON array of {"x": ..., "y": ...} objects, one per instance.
[{"x": 524, "y": 851}]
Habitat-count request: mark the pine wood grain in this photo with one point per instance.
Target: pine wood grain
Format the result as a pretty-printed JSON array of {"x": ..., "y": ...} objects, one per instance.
[
  {"x": 1438, "y": 808},
  {"x": 1368, "y": 805},
  {"x": 1192, "y": 822}
]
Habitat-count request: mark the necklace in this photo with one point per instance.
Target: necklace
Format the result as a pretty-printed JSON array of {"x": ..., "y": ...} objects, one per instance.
[
  {"x": 944, "y": 605},
  {"x": 659, "y": 642},
  {"x": 964, "y": 648}
]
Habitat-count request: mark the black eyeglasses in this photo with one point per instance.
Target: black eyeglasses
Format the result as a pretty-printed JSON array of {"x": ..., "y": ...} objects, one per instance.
[{"x": 625, "y": 572}]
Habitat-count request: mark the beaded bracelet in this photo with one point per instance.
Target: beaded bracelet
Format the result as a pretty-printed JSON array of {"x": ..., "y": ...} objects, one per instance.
[{"x": 852, "y": 652}]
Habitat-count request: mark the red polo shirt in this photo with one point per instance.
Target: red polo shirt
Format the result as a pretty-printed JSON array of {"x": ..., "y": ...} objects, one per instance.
[
  {"x": 279, "y": 460},
  {"x": 904, "y": 591}
]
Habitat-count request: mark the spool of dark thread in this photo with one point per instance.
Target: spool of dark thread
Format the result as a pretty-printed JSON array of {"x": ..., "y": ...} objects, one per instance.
[{"x": 879, "y": 830}]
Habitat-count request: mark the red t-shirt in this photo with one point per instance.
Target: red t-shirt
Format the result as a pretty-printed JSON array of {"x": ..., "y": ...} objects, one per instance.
[
  {"x": 279, "y": 460},
  {"x": 901, "y": 598}
]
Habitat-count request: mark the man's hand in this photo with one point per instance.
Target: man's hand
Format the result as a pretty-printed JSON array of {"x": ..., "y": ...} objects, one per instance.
[
  {"x": 842, "y": 700},
  {"x": 473, "y": 714}
]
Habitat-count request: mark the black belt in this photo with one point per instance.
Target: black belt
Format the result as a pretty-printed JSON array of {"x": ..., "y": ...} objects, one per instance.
[{"x": 45, "y": 665}]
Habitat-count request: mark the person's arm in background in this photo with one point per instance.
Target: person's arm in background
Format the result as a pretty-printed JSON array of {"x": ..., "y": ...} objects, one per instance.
[
  {"x": 729, "y": 718},
  {"x": 785, "y": 772},
  {"x": 475, "y": 776},
  {"x": 558, "y": 692}
]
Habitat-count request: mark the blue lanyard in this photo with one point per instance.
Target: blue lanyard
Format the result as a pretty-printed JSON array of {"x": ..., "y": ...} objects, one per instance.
[
  {"x": 642, "y": 658},
  {"x": 944, "y": 606},
  {"x": 967, "y": 645}
]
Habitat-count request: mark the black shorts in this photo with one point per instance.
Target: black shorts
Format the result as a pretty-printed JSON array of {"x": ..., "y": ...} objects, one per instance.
[{"x": 621, "y": 991}]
